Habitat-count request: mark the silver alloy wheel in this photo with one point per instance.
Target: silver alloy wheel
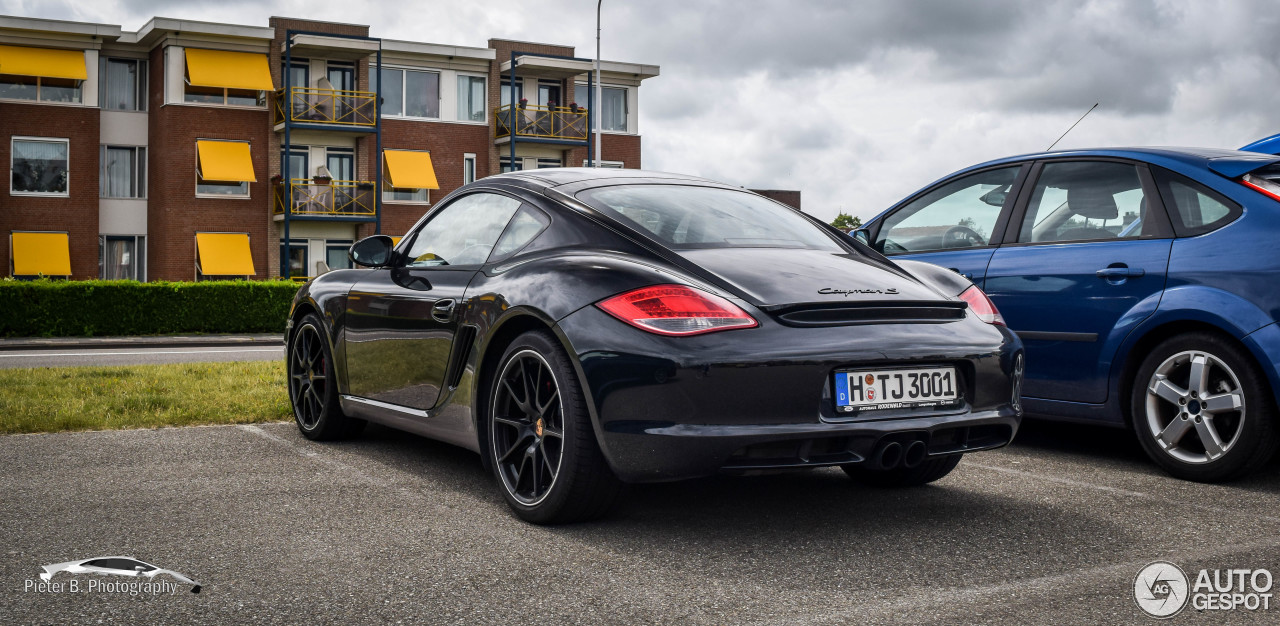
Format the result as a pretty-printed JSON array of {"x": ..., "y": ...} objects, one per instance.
[
  {"x": 1195, "y": 391},
  {"x": 526, "y": 427},
  {"x": 307, "y": 377}
]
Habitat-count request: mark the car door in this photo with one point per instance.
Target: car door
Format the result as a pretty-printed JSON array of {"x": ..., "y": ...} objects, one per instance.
[
  {"x": 1090, "y": 243},
  {"x": 401, "y": 320},
  {"x": 955, "y": 224}
]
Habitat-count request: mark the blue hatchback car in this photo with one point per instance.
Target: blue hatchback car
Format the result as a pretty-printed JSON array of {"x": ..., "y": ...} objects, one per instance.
[{"x": 1144, "y": 282}]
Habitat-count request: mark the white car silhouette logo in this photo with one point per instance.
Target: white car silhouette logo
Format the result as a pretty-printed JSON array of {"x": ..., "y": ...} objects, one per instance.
[{"x": 116, "y": 566}]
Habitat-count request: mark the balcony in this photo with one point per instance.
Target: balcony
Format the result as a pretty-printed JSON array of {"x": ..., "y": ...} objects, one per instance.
[
  {"x": 541, "y": 123},
  {"x": 339, "y": 199},
  {"x": 354, "y": 110}
]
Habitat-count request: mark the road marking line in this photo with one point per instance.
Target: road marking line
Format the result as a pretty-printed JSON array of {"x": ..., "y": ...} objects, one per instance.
[
  {"x": 141, "y": 351},
  {"x": 1114, "y": 490},
  {"x": 930, "y": 599},
  {"x": 315, "y": 455}
]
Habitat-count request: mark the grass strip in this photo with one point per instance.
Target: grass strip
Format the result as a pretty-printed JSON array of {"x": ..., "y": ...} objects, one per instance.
[{"x": 52, "y": 399}]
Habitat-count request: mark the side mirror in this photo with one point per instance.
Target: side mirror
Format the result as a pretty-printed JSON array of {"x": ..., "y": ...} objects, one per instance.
[
  {"x": 863, "y": 235},
  {"x": 372, "y": 251}
]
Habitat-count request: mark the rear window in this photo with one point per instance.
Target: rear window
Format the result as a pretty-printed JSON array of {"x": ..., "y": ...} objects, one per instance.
[
  {"x": 1195, "y": 209},
  {"x": 686, "y": 217}
]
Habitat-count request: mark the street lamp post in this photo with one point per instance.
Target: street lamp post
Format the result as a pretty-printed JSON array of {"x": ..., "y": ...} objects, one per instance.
[{"x": 599, "y": 92}]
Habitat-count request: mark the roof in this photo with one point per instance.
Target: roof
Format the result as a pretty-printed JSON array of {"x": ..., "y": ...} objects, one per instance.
[{"x": 556, "y": 176}]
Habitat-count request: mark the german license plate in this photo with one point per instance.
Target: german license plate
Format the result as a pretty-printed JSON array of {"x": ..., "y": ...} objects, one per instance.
[{"x": 895, "y": 388}]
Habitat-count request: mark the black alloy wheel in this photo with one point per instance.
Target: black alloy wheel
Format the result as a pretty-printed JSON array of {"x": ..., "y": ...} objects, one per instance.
[
  {"x": 312, "y": 392},
  {"x": 528, "y": 427},
  {"x": 541, "y": 442}
]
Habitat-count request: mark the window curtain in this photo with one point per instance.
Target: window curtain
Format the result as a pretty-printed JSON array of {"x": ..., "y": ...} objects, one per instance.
[
  {"x": 614, "y": 109},
  {"x": 117, "y": 173},
  {"x": 122, "y": 85},
  {"x": 118, "y": 264}
]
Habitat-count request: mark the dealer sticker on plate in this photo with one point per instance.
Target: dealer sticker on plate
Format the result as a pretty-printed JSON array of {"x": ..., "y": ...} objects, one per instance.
[{"x": 895, "y": 388}]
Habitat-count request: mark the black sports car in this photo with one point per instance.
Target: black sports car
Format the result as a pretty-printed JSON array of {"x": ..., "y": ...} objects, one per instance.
[{"x": 584, "y": 328}]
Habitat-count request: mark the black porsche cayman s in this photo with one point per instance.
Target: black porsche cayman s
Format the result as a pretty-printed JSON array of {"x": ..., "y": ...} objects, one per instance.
[{"x": 585, "y": 328}]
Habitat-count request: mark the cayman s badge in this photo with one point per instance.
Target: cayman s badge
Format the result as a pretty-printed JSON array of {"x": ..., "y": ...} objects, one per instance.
[{"x": 828, "y": 291}]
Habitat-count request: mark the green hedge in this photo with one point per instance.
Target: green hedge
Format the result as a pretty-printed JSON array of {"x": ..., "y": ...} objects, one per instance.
[{"x": 57, "y": 308}]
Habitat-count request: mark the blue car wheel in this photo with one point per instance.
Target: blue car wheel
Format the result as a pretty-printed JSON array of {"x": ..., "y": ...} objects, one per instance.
[{"x": 1202, "y": 410}]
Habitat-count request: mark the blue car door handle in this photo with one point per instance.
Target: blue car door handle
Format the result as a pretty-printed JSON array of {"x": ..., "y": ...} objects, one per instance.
[{"x": 1121, "y": 272}]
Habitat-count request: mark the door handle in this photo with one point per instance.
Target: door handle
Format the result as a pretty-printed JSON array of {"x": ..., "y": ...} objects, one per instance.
[
  {"x": 442, "y": 311},
  {"x": 1112, "y": 273},
  {"x": 968, "y": 275}
]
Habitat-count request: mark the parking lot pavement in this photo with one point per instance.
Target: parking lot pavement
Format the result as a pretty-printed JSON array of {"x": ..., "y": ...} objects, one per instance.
[{"x": 393, "y": 528}]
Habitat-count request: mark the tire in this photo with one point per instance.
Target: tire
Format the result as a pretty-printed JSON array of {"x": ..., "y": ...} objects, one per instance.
[
  {"x": 313, "y": 394},
  {"x": 922, "y": 474},
  {"x": 540, "y": 438},
  {"x": 1173, "y": 422}
]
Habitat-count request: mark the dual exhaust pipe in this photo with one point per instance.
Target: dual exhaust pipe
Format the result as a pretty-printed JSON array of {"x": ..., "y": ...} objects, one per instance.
[{"x": 893, "y": 454}]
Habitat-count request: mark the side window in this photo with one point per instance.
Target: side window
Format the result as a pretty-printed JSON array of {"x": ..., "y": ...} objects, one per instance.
[
  {"x": 1087, "y": 201},
  {"x": 462, "y": 233},
  {"x": 526, "y": 225},
  {"x": 959, "y": 214},
  {"x": 127, "y": 565},
  {"x": 1195, "y": 209}
]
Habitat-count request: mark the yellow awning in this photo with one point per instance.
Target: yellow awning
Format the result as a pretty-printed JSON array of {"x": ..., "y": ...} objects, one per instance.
[
  {"x": 395, "y": 241},
  {"x": 227, "y": 161},
  {"x": 41, "y": 253},
  {"x": 232, "y": 70},
  {"x": 410, "y": 170},
  {"x": 43, "y": 62},
  {"x": 224, "y": 254}
]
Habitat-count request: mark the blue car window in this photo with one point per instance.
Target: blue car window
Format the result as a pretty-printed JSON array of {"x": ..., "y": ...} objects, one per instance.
[
  {"x": 958, "y": 214},
  {"x": 1086, "y": 201},
  {"x": 1195, "y": 209}
]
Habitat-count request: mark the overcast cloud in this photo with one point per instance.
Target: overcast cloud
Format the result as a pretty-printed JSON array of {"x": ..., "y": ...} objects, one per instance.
[{"x": 858, "y": 103}]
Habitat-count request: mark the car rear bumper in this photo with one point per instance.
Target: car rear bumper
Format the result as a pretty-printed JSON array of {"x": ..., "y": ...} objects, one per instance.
[{"x": 760, "y": 399}]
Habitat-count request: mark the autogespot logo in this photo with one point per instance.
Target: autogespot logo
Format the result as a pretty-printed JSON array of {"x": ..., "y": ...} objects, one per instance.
[{"x": 1161, "y": 589}]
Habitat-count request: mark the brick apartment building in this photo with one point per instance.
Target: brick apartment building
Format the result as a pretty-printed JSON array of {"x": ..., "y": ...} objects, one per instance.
[{"x": 190, "y": 150}]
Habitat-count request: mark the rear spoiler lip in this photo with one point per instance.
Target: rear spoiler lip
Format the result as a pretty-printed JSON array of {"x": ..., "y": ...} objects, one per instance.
[
  {"x": 1237, "y": 166},
  {"x": 1266, "y": 145}
]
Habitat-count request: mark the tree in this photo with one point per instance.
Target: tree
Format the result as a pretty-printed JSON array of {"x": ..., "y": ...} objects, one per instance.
[{"x": 846, "y": 222}]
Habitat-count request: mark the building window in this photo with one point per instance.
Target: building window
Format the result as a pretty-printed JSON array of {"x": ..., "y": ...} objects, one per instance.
[
  {"x": 505, "y": 93},
  {"x": 408, "y": 167},
  {"x": 41, "y": 88},
  {"x": 468, "y": 168},
  {"x": 123, "y": 84},
  {"x": 546, "y": 163},
  {"x": 511, "y": 166},
  {"x": 335, "y": 254},
  {"x": 617, "y": 165},
  {"x": 613, "y": 106},
  {"x": 410, "y": 93},
  {"x": 122, "y": 257},
  {"x": 224, "y": 167},
  {"x": 218, "y": 95},
  {"x": 39, "y": 166},
  {"x": 124, "y": 172},
  {"x": 296, "y": 252},
  {"x": 471, "y": 96}
]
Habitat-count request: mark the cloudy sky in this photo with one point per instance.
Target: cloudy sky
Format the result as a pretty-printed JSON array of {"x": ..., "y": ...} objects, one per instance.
[{"x": 857, "y": 102}]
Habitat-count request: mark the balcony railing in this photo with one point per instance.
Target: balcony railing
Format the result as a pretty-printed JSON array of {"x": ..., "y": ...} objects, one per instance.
[
  {"x": 313, "y": 105},
  {"x": 339, "y": 198},
  {"x": 541, "y": 122}
]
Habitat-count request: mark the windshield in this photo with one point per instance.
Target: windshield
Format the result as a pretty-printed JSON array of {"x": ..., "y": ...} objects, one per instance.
[{"x": 685, "y": 217}]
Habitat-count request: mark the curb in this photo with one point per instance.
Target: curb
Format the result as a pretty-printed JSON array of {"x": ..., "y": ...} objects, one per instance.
[{"x": 54, "y": 343}]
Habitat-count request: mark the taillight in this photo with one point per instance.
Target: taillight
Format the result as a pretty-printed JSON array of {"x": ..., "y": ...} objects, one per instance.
[
  {"x": 982, "y": 306},
  {"x": 1266, "y": 187},
  {"x": 676, "y": 310}
]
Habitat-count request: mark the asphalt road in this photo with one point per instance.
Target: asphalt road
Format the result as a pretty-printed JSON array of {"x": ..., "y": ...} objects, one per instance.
[
  {"x": 393, "y": 528},
  {"x": 72, "y": 356}
]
